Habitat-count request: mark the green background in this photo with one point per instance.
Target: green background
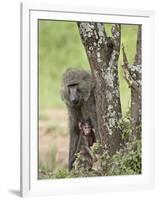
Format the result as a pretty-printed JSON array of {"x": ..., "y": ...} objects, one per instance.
[{"x": 60, "y": 47}]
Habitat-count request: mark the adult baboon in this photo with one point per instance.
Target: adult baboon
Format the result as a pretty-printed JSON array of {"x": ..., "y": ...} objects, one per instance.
[{"x": 78, "y": 93}]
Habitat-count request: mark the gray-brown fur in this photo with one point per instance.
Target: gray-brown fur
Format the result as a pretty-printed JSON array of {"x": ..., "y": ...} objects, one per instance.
[{"x": 84, "y": 107}]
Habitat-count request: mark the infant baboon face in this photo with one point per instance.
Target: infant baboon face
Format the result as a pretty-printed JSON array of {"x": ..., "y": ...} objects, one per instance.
[
  {"x": 86, "y": 129},
  {"x": 74, "y": 94}
]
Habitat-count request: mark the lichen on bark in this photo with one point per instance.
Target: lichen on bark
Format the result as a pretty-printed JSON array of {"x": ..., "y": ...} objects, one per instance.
[
  {"x": 133, "y": 75},
  {"x": 103, "y": 54}
]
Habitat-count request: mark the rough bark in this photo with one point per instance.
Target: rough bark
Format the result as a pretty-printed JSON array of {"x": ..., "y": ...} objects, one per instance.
[
  {"x": 103, "y": 54},
  {"x": 134, "y": 78}
]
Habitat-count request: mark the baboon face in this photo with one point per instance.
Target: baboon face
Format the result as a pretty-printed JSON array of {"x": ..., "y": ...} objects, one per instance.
[
  {"x": 76, "y": 87},
  {"x": 86, "y": 129},
  {"x": 74, "y": 94}
]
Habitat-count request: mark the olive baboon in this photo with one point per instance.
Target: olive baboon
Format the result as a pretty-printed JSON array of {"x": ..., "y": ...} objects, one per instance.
[
  {"x": 85, "y": 160},
  {"x": 87, "y": 131},
  {"x": 86, "y": 140},
  {"x": 78, "y": 93}
]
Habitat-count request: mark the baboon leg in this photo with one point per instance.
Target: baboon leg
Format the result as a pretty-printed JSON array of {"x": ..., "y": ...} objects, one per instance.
[{"x": 72, "y": 149}]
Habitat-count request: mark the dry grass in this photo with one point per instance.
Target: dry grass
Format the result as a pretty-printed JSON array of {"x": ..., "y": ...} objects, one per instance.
[{"x": 53, "y": 139}]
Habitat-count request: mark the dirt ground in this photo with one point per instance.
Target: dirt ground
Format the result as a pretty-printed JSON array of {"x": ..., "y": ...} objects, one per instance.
[{"x": 53, "y": 139}]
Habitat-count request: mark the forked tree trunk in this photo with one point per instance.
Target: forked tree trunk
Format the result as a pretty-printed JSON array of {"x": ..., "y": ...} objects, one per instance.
[
  {"x": 134, "y": 78},
  {"x": 103, "y": 54}
]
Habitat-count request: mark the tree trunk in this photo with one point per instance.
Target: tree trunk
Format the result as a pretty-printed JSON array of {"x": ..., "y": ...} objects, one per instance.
[
  {"x": 133, "y": 77},
  {"x": 103, "y": 54}
]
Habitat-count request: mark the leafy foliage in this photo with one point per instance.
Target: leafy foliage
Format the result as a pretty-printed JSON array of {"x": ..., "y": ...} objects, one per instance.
[
  {"x": 125, "y": 126},
  {"x": 126, "y": 161},
  {"x": 61, "y": 173}
]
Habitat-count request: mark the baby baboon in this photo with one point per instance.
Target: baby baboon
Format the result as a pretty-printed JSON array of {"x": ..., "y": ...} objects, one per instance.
[
  {"x": 87, "y": 131},
  {"x": 86, "y": 140},
  {"x": 85, "y": 160},
  {"x": 78, "y": 93}
]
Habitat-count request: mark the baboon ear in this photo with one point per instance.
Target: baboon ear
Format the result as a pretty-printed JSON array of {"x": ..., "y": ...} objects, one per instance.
[
  {"x": 88, "y": 93},
  {"x": 80, "y": 125},
  {"x": 86, "y": 97}
]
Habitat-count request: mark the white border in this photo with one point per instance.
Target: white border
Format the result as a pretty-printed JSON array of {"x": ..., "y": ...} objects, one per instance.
[{"x": 30, "y": 186}]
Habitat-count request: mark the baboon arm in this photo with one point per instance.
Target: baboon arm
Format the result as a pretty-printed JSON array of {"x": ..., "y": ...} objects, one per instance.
[
  {"x": 74, "y": 138},
  {"x": 74, "y": 135},
  {"x": 89, "y": 152},
  {"x": 74, "y": 155}
]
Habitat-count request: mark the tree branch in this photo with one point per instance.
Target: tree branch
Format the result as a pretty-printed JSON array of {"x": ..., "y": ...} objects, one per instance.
[
  {"x": 138, "y": 55},
  {"x": 127, "y": 73},
  {"x": 132, "y": 74},
  {"x": 116, "y": 32}
]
